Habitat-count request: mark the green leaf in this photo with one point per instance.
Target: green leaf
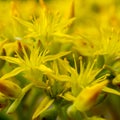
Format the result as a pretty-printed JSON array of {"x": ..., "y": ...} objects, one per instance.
[
  {"x": 73, "y": 113},
  {"x": 15, "y": 104},
  {"x": 44, "y": 105},
  {"x": 12, "y": 73},
  {"x": 110, "y": 90}
]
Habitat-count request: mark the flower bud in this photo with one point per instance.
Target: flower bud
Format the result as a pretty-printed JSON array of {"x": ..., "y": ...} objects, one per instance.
[
  {"x": 10, "y": 89},
  {"x": 87, "y": 97}
]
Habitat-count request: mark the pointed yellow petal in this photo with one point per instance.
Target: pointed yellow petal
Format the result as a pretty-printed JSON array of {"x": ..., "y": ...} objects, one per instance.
[
  {"x": 12, "y": 73},
  {"x": 110, "y": 90},
  {"x": 68, "y": 96}
]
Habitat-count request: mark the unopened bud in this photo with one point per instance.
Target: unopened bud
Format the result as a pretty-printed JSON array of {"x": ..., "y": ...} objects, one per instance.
[
  {"x": 87, "y": 97},
  {"x": 10, "y": 89}
]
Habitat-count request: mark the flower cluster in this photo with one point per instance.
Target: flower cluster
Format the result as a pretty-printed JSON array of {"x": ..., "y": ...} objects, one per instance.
[{"x": 54, "y": 64}]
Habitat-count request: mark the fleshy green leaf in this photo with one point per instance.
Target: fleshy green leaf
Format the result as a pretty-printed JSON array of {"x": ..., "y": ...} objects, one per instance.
[
  {"x": 15, "y": 104},
  {"x": 45, "y": 103}
]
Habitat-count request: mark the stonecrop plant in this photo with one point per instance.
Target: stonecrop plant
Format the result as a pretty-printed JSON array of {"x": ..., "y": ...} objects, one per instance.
[{"x": 59, "y": 60}]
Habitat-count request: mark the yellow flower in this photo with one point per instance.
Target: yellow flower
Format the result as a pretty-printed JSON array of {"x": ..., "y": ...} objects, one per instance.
[
  {"x": 86, "y": 77},
  {"x": 109, "y": 43},
  {"x": 33, "y": 64},
  {"x": 85, "y": 84},
  {"x": 47, "y": 26}
]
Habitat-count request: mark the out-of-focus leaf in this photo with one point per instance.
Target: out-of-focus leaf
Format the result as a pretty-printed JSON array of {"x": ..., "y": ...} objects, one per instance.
[
  {"x": 44, "y": 105},
  {"x": 17, "y": 101}
]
